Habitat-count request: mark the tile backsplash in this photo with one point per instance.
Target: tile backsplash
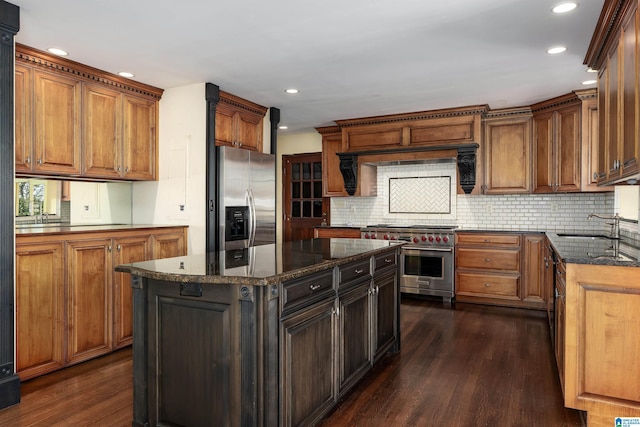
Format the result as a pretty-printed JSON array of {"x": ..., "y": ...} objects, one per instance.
[{"x": 518, "y": 212}]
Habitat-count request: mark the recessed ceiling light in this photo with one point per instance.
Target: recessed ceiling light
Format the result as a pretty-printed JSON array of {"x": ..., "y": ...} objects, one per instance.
[
  {"x": 564, "y": 7},
  {"x": 126, "y": 74},
  {"x": 57, "y": 51},
  {"x": 283, "y": 127},
  {"x": 591, "y": 70},
  {"x": 556, "y": 50},
  {"x": 589, "y": 82},
  {"x": 292, "y": 91}
]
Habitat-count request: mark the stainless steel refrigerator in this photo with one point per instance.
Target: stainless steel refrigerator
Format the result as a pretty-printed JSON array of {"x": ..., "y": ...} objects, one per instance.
[{"x": 246, "y": 198}]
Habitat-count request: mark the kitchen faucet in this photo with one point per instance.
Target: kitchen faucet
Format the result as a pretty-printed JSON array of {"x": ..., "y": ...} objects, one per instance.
[{"x": 615, "y": 225}]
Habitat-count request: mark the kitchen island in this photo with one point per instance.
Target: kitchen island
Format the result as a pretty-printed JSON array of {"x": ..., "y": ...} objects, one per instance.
[{"x": 268, "y": 335}]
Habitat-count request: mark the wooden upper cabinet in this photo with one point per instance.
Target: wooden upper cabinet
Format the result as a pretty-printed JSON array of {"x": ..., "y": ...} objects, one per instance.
[
  {"x": 614, "y": 52},
  {"x": 332, "y": 181},
  {"x": 56, "y": 124},
  {"x": 76, "y": 121},
  {"x": 102, "y": 131},
  {"x": 140, "y": 139},
  {"x": 507, "y": 155},
  {"x": 427, "y": 128},
  {"x": 239, "y": 122},
  {"x": 557, "y": 145},
  {"x": 24, "y": 119},
  {"x": 590, "y": 154}
]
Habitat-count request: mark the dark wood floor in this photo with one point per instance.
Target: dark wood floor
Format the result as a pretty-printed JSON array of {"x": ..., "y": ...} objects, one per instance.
[{"x": 467, "y": 366}]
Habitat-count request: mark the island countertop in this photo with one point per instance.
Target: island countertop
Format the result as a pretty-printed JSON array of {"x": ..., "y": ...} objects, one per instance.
[
  {"x": 586, "y": 249},
  {"x": 259, "y": 265}
]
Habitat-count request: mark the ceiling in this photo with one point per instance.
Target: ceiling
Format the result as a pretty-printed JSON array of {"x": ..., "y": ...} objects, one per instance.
[{"x": 348, "y": 58}]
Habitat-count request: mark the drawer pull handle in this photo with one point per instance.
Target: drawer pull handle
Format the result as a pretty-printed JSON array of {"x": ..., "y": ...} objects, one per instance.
[
  {"x": 486, "y": 285},
  {"x": 487, "y": 240},
  {"x": 388, "y": 260},
  {"x": 359, "y": 271},
  {"x": 487, "y": 260},
  {"x": 315, "y": 287}
]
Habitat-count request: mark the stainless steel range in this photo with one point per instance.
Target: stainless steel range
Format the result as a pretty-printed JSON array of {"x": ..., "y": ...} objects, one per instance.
[{"x": 426, "y": 261}]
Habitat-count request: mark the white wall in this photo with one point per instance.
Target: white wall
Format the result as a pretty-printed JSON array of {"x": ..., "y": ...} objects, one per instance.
[
  {"x": 181, "y": 168},
  {"x": 297, "y": 143},
  {"x": 100, "y": 203}
]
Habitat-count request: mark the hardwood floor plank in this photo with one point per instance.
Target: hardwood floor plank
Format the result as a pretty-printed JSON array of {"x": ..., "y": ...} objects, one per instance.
[{"x": 470, "y": 365}]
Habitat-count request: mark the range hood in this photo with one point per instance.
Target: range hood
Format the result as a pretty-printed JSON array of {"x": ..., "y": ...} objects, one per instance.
[{"x": 464, "y": 154}]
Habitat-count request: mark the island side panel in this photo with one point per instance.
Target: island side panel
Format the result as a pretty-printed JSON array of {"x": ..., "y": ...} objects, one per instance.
[{"x": 140, "y": 371}]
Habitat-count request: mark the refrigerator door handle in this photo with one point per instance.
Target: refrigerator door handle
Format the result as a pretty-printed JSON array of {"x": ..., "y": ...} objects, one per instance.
[
  {"x": 247, "y": 198},
  {"x": 253, "y": 221}
]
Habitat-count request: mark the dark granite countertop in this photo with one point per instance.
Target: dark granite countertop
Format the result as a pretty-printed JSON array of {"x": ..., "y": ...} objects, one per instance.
[
  {"x": 259, "y": 265},
  {"x": 44, "y": 229},
  {"x": 586, "y": 249}
]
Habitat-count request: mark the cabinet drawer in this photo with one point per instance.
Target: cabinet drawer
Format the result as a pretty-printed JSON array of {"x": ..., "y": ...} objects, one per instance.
[
  {"x": 334, "y": 232},
  {"x": 353, "y": 272},
  {"x": 491, "y": 259},
  {"x": 488, "y": 285},
  {"x": 384, "y": 261},
  {"x": 488, "y": 239},
  {"x": 298, "y": 293}
]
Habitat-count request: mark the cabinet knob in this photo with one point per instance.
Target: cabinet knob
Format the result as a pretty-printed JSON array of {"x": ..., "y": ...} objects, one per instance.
[
  {"x": 486, "y": 285},
  {"x": 126, "y": 169},
  {"x": 595, "y": 176},
  {"x": 109, "y": 248},
  {"x": 487, "y": 260},
  {"x": 27, "y": 160},
  {"x": 314, "y": 287},
  {"x": 118, "y": 169},
  {"x": 39, "y": 162},
  {"x": 118, "y": 248}
]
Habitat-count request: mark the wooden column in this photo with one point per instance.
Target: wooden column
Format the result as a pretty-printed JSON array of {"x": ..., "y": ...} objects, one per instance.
[
  {"x": 212, "y": 96},
  {"x": 9, "y": 381}
]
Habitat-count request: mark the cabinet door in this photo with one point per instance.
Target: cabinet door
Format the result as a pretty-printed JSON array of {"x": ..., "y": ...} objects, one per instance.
[
  {"x": 332, "y": 180},
  {"x": 630, "y": 150},
  {"x": 23, "y": 118},
  {"x": 168, "y": 245},
  {"x": 507, "y": 156},
  {"x": 225, "y": 125},
  {"x": 307, "y": 341},
  {"x": 354, "y": 352},
  {"x": 567, "y": 150},
  {"x": 543, "y": 136},
  {"x": 57, "y": 124},
  {"x": 533, "y": 289},
  {"x": 89, "y": 266},
  {"x": 603, "y": 122},
  {"x": 249, "y": 131},
  {"x": 39, "y": 309},
  {"x": 385, "y": 309},
  {"x": 140, "y": 138},
  {"x": 102, "y": 131},
  {"x": 612, "y": 112},
  {"x": 560, "y": 336},
  {"x": 127, "y": 250}
]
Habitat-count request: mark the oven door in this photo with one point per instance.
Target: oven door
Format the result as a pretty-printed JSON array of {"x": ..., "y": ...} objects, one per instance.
[{"x": 427, "y": 271}]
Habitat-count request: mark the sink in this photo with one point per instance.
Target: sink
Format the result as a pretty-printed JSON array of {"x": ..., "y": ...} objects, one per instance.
[{"x": 584, "y": 236}]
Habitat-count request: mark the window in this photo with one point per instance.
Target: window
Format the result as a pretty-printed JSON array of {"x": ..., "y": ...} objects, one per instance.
[{"x": 36, "y": 196}]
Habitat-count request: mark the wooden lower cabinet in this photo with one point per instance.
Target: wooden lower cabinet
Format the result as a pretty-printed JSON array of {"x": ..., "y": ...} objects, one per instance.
[
  {"x": 308, "y": 364},
  {"x": 385, "y": 311},
  {"x": 89, "y": 287},
  {"x": 70, "y": 304},
  {"x": 40, "y": 303},
  {"x": 601, "y": 351},
  {"x": 354, "y": 320},
  {"x": 127, "y": 250},
  {"x": 336, "y": 232},
  {"x": 501, "y": 268}
]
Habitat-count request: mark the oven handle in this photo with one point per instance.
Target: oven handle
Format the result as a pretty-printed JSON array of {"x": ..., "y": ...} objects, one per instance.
[{"x": 418, "y": 248}]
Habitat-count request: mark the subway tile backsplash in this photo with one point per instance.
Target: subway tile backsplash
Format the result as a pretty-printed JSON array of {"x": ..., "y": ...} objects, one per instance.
[{"x": 525, "y": 212}]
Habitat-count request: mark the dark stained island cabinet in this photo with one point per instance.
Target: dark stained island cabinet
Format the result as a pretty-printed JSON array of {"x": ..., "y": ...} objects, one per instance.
[{"x": 265, "y": 336}]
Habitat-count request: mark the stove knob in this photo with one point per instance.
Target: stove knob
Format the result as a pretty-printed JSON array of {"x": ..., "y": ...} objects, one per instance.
[
  {"x": 445, "y": 239},
  {"x": 438, "y": 239},
  {"x": 415, "y": 240},
  {"x": 424, "y": 238},
  {"x": 373, "y": 236},
  {"x": 366, "y": 235},
  {"x": 386, "y": 237},
  {"x": 431, "y": 238},
  {"x": 393, "y": 237}
]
